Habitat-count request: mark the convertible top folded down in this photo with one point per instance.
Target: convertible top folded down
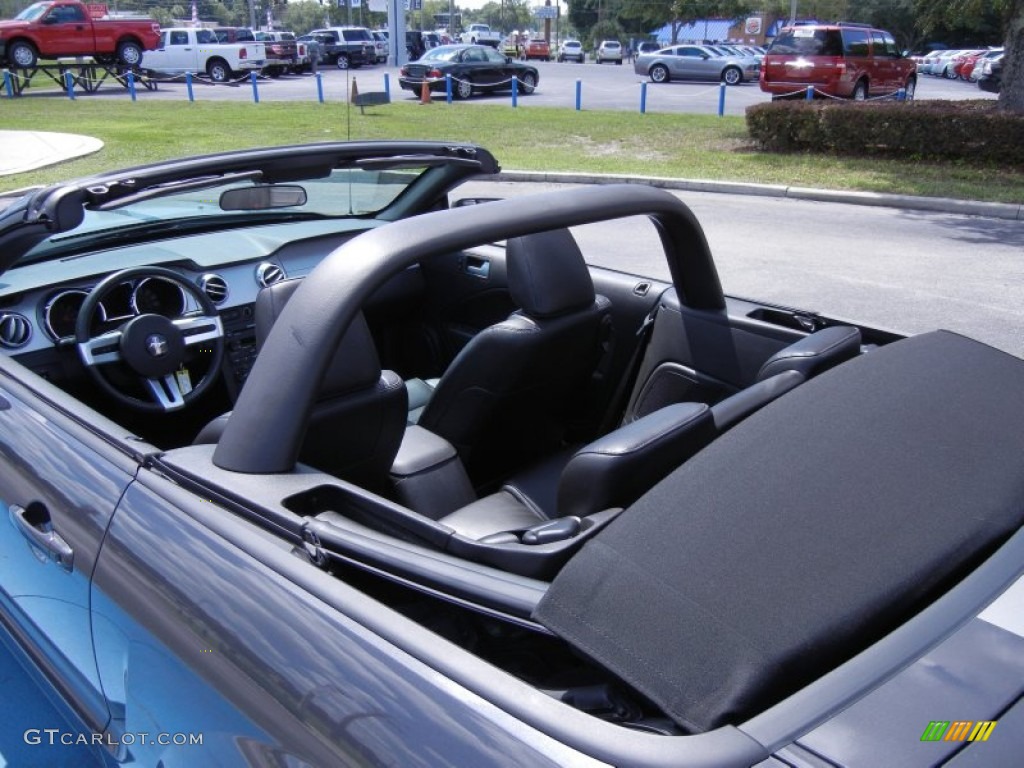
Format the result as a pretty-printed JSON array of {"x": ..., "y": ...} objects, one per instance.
[{"x": 808, "y": 532}]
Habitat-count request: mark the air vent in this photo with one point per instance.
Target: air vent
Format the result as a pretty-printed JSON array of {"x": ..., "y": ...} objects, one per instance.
[
  {"x": 269, "y": 273},
  {"x": 15, "y": 330},
  {"x": 215, "y": 287}
]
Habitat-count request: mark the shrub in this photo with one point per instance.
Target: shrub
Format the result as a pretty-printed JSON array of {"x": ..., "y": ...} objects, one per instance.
[{"x": 973, "y": 131}]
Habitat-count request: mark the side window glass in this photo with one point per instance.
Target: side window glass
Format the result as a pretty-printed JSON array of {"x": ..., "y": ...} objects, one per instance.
[
  {"x": 856, "y": 42},
  {"x": 890, "y": 46},
  {"x": 179, "y": 38}
]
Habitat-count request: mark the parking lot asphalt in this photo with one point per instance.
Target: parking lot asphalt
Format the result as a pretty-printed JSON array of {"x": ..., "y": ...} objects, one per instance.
[{"x": 22, "y": 151}]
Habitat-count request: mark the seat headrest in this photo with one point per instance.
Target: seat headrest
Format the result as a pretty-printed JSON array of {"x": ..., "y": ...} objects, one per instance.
[
  {"x": 815, "y": 353},
  {"x": 355, "y": 364},
  {"x": 547, "y": 276}
]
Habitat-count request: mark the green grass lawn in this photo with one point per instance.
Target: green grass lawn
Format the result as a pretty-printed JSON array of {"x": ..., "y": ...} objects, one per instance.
[{"x": 528, "y": 138}]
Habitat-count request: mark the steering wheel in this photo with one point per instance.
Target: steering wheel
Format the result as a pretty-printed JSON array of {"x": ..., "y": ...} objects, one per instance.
[{"x": 152, "y": 347}]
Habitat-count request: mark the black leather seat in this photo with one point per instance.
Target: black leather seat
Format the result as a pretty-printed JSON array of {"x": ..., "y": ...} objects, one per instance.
[
  {"x": 789, "y": 367},
  {"x": 358, "y": 420},
  {"x": 610, "y": 472},
  {"x": 505, "y": 398}
]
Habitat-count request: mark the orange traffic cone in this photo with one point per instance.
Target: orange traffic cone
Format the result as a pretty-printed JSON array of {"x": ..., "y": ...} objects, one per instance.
[{"x": 425, "y": 93}]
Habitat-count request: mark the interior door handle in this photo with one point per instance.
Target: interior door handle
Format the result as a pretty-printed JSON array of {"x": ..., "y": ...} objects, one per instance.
[
  {"x": 34, "y": 524},
  {"x": 477, "y": 267}
]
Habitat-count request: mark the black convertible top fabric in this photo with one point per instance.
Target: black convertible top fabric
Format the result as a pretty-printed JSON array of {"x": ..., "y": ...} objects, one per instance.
[{"x": 806, "y": 533}]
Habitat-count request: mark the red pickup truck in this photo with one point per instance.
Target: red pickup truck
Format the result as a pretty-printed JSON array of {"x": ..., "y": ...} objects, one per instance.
[{"x": 54, "y": 28}]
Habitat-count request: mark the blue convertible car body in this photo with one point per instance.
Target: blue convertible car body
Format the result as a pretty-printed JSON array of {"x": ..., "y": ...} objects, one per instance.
[{"x": 305, "y": 464}]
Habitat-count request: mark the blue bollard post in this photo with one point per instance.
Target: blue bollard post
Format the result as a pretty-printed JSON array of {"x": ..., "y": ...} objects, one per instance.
[
  {"x": 721, "y": 99},
  {"x": 387, "y": 85},
  {"x": 579, "y": 95},
  {"x": 448, "y": 88},
  {"x": 8, "y": 86},
  {"x": 643, "y": 98},
  {"x": 901, "y": 94},
  {"x": 320, "y": 87},
  {"x": 69, "y": 84},
  {"x": 255, "y": 88},
  {"x": 810, "y": 93},
  {"x": 131, "y": 84},
  {"x": 515, "y": 91},
  {"x": 188, "y": 86}
]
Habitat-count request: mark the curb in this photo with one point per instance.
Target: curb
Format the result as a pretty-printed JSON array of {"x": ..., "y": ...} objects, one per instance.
[{"x": 1009, "y": 211}]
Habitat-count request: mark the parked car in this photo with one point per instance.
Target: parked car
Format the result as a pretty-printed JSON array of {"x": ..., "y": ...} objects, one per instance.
[
  {"x": 608, "y": 50},
  {"x": 473, "y": 69},
  {"x": 647, "y": 47},
  {"x": 695, "y": 62},
  {"x": 346, "y": 48},
  {"x": 974, "y": 72},
  {"x": 50, "y": 30},
  {"x": 925, "y": 62},
  {"x": 536, "y": 48},
  {"x": 779, "y": 536},
  {"x": 234, "y": 35},
  {"x": 571, "y": 50},
  {"x": 414, "y": 44},
  {"x": 187, "y": 49},
  {"x": 380, "y": 43},
  {"x": 852, "y": 61},
  {"x": 991, "y": 79},
  {"x": 482, "y": 34},
  {"x": 282, "y": 52},
  {"x": 314, "y": 50}
]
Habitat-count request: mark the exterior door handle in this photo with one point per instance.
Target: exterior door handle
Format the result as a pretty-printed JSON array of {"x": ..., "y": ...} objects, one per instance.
[{"x": 34, "y": 524}]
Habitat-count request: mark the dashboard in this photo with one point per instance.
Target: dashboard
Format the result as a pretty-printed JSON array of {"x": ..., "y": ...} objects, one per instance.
[{"x": 40, "y": 303}]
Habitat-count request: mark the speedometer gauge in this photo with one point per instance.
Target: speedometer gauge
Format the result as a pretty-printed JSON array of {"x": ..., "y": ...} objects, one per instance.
[{"x": 156, "y": 296}]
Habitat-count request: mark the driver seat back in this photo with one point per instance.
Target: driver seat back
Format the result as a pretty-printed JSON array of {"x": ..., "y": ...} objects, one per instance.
[{"x": 358, "y": 419}]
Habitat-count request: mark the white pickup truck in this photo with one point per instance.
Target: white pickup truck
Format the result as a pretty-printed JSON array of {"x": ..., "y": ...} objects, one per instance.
[
  {"x": 481, "y": 34},
  {"x": 184, "y": 50}
]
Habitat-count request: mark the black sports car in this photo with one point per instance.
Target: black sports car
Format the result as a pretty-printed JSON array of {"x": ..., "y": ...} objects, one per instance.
[
  {"x": 306, "y": 464},
  {"x": 472, "y": 69}
]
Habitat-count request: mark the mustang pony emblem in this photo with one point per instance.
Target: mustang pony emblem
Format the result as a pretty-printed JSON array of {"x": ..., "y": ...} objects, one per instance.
[{"x": 156, "y": 345}]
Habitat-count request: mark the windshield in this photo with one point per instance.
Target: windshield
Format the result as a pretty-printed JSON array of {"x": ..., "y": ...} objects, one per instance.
[
  {"x": 344, "y": 193},
  {"x": 33, "y": 12}
]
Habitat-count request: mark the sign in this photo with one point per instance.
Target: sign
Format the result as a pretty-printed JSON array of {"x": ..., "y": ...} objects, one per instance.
[
  {"x": 546, "y": 12},
  {"x": 752, "y": 26}
]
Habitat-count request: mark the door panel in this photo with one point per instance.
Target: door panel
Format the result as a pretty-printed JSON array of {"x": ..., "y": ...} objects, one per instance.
[
  {"x": 59, "y": 485},
  {"x": 208, "y": 625},
  {"x": 466, "y": 293}
]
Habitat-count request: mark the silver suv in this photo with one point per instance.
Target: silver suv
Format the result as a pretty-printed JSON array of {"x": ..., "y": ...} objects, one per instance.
[{"x": 609, "y": 50}]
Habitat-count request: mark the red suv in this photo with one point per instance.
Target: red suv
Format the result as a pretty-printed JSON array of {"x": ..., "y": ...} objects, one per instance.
[{"x": 845, "y": 60}]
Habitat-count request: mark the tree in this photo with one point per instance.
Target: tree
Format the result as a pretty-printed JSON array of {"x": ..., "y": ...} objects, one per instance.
[
  {"x": 936, "y": 13},
  {"x": 303, "y": 16}
]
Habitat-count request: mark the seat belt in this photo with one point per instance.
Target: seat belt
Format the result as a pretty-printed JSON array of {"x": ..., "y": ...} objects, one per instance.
[{"x": 617, "y": 404}]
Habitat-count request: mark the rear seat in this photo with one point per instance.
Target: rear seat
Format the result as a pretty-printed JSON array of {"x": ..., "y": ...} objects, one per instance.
[
  {"x": 616, "y": 469},
  {"x": 610, "y": 472}
]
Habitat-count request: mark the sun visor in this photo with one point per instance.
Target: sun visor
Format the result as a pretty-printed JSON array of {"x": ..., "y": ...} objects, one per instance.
[{"x": 806, "y": 533}]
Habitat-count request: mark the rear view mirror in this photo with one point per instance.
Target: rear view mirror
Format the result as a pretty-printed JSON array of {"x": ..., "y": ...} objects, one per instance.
[
  {"x": 466, "y": 201},
  {"x": 262, "y": 197}
]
